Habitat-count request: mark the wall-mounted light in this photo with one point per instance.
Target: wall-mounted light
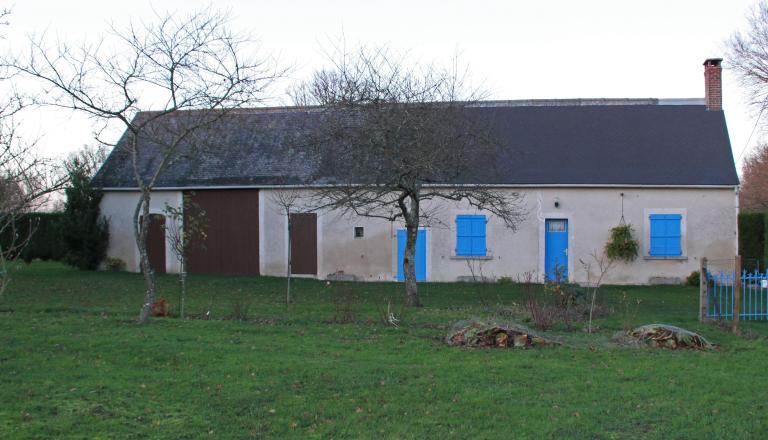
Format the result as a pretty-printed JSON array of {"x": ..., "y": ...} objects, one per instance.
[{"x": 557, "y": 202}]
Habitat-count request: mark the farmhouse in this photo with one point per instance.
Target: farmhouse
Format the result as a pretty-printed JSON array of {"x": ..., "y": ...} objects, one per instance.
[{"x": 583, "y": 166}]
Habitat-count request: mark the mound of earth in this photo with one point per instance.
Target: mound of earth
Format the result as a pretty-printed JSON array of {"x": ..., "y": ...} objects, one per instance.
[
  {"x": 491, "y": 334},
  {"x": 665, "y": 336}
]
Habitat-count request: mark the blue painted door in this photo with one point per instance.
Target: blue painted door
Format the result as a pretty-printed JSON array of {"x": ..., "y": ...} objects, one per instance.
[
  {"x": 421, "y": 255},
  {"x": 556, "y": 248}
]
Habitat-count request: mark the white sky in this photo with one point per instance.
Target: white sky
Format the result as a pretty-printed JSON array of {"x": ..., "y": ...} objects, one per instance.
[{"x": 516, "y": 49}]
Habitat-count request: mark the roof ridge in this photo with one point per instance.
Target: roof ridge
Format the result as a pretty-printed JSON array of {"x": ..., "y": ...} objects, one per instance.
[
  {"x": 577, "y": 102},
  {"x": 568, "y": 102}
]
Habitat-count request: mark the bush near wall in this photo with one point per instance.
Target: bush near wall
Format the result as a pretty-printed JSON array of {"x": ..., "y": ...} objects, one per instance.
[
  {"x": 46, "y": 243},
  {"x": 753, "y": 246}
]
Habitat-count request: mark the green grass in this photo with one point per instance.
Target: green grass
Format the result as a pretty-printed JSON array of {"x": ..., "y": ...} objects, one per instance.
[{"x": 73, "y": 364}]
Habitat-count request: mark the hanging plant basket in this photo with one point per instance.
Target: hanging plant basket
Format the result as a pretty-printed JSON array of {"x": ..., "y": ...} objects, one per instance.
[{"x": 621, "y": 245}]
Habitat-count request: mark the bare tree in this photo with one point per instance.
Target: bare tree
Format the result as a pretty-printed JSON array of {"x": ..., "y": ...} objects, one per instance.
[
  {"x": 286, "y": 203},
  {"x": 396, "y": 136},
  {"x": 185, "y": 226},
  {"x": 26, "y": 182},
  {"x": 602, "y": 265},
  {"x": 27, "y": 179},
  {"x": 188, "y": 69},
  {"x": 748, "y": 57},
  {"x": 88, "y": 159},
  {"x": 753, "y": 194}
]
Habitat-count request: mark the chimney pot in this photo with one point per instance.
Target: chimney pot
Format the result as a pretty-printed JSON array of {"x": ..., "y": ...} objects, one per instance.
[{"x": 713, "y": 84}]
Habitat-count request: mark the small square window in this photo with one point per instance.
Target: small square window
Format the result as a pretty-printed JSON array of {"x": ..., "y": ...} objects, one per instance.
[{"x": 359, "y": 232}]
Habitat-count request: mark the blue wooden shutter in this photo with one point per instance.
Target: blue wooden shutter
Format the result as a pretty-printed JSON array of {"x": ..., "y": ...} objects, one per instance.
[
  {"x": 666, "y": 235},
  {"x": 463, "y": 236},
  {"x": 478, "y": 235},
  {"x": 470, "y": 235},
  {"x": 674, "y": 247}
]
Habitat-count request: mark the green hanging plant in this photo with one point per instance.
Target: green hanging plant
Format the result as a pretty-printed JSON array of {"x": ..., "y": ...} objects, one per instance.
[{"x": 622, "y": 246}]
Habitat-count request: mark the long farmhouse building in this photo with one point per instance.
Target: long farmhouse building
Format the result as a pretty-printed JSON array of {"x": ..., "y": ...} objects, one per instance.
[{"x": 665, "y": 165}]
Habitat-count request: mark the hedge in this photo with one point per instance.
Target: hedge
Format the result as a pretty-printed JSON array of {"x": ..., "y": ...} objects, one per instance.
[
  {"x": 753, "y": 242},
  {"x": 46, "y": 242}
]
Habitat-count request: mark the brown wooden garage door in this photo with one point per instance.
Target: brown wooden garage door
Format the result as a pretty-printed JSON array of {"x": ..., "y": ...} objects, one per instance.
[
  {"x": 156, "y": 243},
  {"x": 304, "y": 244},
  {"x": 231, "y": 245}
]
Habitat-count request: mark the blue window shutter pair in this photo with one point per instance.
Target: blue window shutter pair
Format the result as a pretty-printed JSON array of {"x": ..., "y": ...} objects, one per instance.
[
  {"x": 665, "y": 235},
  {"x": 470, "y": 235}
]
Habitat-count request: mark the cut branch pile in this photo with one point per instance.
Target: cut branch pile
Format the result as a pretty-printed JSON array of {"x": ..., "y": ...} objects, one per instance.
[
  {"x": 490, "y": 335},
  {"x": 665, "y": 336}
]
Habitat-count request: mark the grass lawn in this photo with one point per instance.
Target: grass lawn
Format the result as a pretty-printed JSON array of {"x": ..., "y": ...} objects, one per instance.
[{"x": 73, "y": 364}]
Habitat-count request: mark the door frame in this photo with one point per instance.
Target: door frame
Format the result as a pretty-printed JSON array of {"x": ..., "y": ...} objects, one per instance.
[{"x": 543, "y": 217}]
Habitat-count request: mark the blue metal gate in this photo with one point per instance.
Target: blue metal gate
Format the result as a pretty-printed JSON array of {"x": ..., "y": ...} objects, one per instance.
[{"x": 753, "y": 295}]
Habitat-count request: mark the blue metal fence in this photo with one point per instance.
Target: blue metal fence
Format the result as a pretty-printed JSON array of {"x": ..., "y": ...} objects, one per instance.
[{"x": 753, "y": 295}]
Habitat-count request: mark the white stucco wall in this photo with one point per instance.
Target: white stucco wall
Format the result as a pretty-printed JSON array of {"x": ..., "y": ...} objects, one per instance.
[
  {"x": 368, "y": 258},
  {"x": 709, "y": 230},
  {"x": 119, "y": 207}
]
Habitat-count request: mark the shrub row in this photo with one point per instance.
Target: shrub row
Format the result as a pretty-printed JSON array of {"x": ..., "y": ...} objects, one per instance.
[
  {"x": 46, "y": 242},
  {"x": 753, "y": 229}
]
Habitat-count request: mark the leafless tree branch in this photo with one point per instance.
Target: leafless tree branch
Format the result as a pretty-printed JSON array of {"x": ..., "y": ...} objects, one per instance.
[
  {"x": 190, "y": 70},
  {"x": 396, "y": 134}
]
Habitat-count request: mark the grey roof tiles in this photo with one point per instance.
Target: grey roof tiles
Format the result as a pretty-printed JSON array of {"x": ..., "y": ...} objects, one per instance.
[{"x": 634, "y": 144}]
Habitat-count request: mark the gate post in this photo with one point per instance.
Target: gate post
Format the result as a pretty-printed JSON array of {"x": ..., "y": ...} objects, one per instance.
[
  {"x": 736, "y": 294},
  {"x": 703, "y": 294}
]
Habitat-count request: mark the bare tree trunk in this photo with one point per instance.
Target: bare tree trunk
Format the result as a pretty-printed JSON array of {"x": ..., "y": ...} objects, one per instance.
[
  {"x": 604, "y": 266},
  {"x": 409, "y": 266},
  {"x": 183, "y": 277},
  {"x": 411, "y": 216},
  {"x": 288, "y": 275},
  {"x": 4, "y": 279},
  {"x": 591, "y": 310},
  {"x": 141, "y": 241}
]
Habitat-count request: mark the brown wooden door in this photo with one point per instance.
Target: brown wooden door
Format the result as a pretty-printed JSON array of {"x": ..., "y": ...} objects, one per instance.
[
  {"x": 231, "y": 243},
  {"x": 156, "y": 243},
  {"x": 304, "y": 244}
]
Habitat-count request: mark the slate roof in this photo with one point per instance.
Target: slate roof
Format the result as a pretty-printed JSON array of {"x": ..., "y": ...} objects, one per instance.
[{"x": 598, "y": 142}]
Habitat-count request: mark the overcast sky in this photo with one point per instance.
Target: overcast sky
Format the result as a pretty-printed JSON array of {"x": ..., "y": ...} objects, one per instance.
[{"x": 515, "y": 49}]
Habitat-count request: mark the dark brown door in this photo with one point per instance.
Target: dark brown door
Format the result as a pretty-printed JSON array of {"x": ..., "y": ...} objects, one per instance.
[
  {"x": 304, "y": 244},
  {"x": 231, "y": 243},
  {"x": 156, "y": 243}
]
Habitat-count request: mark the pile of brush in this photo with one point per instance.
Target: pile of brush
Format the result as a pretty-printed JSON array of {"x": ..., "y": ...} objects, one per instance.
[
  {"x": 665, "y": 336},
  {"x": 491, "y": 334}
]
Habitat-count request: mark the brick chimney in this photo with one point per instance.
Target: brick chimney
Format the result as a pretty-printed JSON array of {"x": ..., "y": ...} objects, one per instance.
[{"x": 713, "y": 84}]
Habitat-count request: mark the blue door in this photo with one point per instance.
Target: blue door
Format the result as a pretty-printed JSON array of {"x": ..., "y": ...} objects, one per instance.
[
  {"x": 556, "y": 248},
  {"x": 421, "y": 255}
]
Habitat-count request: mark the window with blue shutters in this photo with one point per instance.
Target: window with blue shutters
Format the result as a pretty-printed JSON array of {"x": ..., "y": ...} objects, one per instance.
[
  {"x": 470, "y": 235},
  {"x": 666, "y": 235}
]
